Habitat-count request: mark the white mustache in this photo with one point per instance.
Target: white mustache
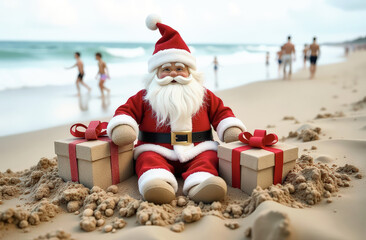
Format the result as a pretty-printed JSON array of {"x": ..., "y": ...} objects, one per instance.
[{"x": 169, "y": 79}]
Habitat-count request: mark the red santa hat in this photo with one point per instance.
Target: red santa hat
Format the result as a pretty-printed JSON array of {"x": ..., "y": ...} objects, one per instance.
[{"x": 170, "y": 47}]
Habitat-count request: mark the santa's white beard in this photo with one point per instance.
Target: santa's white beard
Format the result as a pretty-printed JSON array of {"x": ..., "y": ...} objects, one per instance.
[{"x": 175, "y": 102}]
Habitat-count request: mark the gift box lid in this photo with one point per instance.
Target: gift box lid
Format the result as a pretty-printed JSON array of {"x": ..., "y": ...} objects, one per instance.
[
  {"x": 90, "y": 150},
  {"x": 257, "y": 158}
]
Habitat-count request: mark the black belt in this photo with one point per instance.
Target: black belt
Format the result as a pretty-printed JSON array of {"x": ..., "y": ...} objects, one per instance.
[{"x": 175, "y": 138}]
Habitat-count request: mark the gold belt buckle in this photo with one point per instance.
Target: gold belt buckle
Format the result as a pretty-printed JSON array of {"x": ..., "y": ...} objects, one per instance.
[{"x": 174, "y": 141}]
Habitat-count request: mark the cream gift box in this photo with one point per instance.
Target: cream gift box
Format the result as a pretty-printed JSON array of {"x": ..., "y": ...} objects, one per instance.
[
  {"x": 94, "y": 162},
  {"x": 256, "y": 164}
]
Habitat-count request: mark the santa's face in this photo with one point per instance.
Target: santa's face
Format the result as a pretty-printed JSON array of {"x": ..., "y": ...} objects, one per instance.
[
  {"x": 174, "y": 92},
  {"x": 172, "y": 69}
]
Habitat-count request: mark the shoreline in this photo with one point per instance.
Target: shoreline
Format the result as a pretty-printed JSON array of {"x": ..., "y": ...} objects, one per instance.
[{"x": 64, "y": 96}]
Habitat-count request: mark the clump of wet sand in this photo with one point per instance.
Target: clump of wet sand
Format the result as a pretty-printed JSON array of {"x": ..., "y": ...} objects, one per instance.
[
  {"x": 55, "y": 235},
  {"x": 288, "y": 118},
  {"x": 306, "y": 135},
  {"x": 330, "y": 115},
  {"x": 359, "y": 105}
]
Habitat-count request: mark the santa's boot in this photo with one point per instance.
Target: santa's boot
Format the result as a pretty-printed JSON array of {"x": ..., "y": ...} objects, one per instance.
[
  {"x": 212, "y": 189},
  {"x": 158, "y": 191}
]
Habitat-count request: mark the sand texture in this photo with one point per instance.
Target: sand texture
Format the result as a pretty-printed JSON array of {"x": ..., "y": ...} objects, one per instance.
[{"x": 322, "y": 197}]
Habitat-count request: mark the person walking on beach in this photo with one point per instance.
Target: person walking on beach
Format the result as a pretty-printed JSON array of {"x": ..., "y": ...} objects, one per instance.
[
  {"x": 314, "y": 54},
  {"x": 346, "y": 50},
  {"x": 79, "y": 80},
  {"x": 288, "y": 51},
  {"x": 216, "y": 67},
  {"x": 103, "y": 73},
  {"x": 279, "y": 59},
  {"x": 305, "y": 54},
  {"x": 267, "y": 59}
]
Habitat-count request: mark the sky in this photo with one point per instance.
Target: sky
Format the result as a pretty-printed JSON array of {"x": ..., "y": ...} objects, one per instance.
[{"x": 205, "y": 21}]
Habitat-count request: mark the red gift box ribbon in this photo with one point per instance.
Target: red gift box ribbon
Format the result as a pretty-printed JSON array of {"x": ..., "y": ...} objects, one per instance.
[
  {"x": 93, "y": 132},
  {"x": 260, "y": 139}
]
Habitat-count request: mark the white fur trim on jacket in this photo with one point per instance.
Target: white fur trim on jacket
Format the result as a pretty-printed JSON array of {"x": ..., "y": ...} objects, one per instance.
[
  {"x": 182, "y": 156},
  {"x": 227, "y": 123},
  {"x": 171, "y": 55},
  {"x": 119, "y": 120},
  {"x": 157, "y": 173},
  {"x": 195, "y": 179}
]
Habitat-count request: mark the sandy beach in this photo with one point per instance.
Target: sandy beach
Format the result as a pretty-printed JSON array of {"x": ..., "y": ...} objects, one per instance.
[{"x": 335, "y": 102}]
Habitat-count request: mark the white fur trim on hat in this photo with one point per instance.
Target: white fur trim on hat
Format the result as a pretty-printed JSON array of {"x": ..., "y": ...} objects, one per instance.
[
  {"x": 152, "y": 20},
  {"x": 195, "y": 179},
  {"x": 171, "y": 55},
  {"x": 227, "y": 123},
  {"x": 120, "y": 120},
  {"x": 157, "y": 173}
]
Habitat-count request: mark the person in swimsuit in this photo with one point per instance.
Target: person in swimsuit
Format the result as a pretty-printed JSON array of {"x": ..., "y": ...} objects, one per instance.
[
  {"x": 216, "y": 67},
  {"x": 267, "y": 59},
  {"x": 103, "y": 73},
  {"x": 279, "y": 59},
  {"x": 287, "y": 57},
  {"x": 305, "y": 54},
  {"x": 79, "y": 80},
  {"x": 314, "y": 54}
]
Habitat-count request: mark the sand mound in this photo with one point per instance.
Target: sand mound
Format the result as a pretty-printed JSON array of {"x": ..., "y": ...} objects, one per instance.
[
  {"x": 324, "y": 159},
  {"x": 39, "y": 180},
  {"x": 307, "y": 184},
  {"x": 47, "y": 194},
  {"x": 272, "y": 225}
]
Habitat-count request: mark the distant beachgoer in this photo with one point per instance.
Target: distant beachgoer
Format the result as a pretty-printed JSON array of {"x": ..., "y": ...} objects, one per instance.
[
  {"x": 79, "y": 80},
  {"x": 314, "y": 54},
  {"x": 288, "y": 51},
  {"x": 346, "y": 50},
  {"x": 103, "y": 73},
  {"x": 267, "y": 58},
  {"x": 216, "y": 67},
  {"x": 279, "y": 59},
  {"x": 305, "y": 54}
]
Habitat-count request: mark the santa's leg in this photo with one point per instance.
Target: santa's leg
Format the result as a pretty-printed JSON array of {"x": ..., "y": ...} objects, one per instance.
[
  {"x": 155, "y": 178},
  {"x": 201, "y": 178}
]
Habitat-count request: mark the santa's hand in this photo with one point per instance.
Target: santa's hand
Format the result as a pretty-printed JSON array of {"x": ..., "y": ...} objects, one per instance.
[
  {"x": 232, "y": 134},
  {"x": 123, "y": 135}
]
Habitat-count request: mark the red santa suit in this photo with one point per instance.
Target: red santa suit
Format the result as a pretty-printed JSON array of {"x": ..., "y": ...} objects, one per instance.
[{"x": 196, "y": 162}]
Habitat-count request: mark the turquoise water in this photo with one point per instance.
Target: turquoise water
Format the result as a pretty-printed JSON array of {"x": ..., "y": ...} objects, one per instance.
[{"x": 34, "y": 64}]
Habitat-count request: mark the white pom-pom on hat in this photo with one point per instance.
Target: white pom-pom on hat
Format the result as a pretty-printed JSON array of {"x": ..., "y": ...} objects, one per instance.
[
  {"x": 170, "y": 47},
  {"x": 152, "y": 20}
]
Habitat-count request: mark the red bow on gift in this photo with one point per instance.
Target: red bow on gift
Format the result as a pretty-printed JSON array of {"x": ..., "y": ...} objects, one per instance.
[
  {"x": 260, "y": 139},
  {"x": 92, "y": 132}
]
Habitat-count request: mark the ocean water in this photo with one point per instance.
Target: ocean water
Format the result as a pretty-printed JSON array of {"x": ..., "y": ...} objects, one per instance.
[
  {"x": 37, "y": 92},
  {"x": 35, "y": 64}
]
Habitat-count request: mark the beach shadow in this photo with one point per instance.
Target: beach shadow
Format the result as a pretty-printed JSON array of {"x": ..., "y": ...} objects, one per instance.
[
  {"x": 267, "y": 73},
  {"x": 106, "y": 101},
  {"x": 83, "y": 100}
]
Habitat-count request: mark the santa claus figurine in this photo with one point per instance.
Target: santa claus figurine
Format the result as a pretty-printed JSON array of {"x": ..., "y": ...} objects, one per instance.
[{"x": 172, "y": 118}]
